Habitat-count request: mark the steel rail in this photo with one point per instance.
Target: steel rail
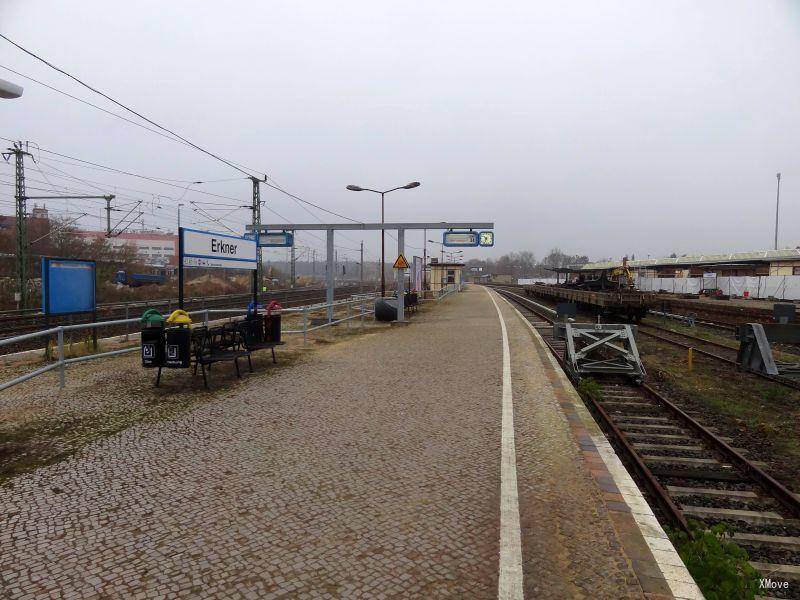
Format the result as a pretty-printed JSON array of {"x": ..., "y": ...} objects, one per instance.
[
  {"x": 750, "y": 471},
  {"x": 777, "y": 489},
  {"x": 646, "y": 476},
  {"x": 785, "y": 381}
]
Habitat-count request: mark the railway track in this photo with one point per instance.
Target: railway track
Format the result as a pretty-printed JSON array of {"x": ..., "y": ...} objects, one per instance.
[
  {"x": 711, "y": 349},
  {"x": 689, "y": 470},
  {"x": 15, "y": 325}
]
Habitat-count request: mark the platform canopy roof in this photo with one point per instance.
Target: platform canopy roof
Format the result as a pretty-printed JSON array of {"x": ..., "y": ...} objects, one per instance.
[{"x": 732, "y": 258}]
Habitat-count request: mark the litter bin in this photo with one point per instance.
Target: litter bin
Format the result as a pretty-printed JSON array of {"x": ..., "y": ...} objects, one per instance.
[
  {"x": 178, "y": 347},
  {"x": 386, "y": 309},
  {"x": 272, "y": 323},
  {"x": 153, "y": 346},
  {"x": 272, "y": 328},
  {"x": 255, "y": 327},
  {"x": 152, "y": 339}
]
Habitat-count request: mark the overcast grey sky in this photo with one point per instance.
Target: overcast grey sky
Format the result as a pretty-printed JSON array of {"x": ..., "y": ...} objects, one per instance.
[{"x": 604, "y": 128}]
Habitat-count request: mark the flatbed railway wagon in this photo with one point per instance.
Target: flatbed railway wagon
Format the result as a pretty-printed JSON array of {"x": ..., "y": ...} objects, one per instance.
[{"x": 628, "y": 304}]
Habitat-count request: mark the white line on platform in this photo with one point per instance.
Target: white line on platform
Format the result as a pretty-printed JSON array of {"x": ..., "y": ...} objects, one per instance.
[
  {"x": 669, "y": 562},
  {"x": 509, "y": 584}
]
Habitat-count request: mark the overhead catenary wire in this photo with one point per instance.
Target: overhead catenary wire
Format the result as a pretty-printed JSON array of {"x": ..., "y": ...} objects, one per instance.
[
  {"x": 123, "y": 106},
  {"x": 164, "y": 131},
  {"x": 175, "y": 185},
  {"x": 78, "y": 162}
]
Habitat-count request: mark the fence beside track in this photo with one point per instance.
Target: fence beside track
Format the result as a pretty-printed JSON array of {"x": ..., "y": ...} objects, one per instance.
[
  {"x": 61, "y": 362},
  {"x": 14, "y": 327}
]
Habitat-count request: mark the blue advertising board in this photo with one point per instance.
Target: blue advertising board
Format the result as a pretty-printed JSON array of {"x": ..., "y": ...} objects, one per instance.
[{"x": 68, "y": 286}]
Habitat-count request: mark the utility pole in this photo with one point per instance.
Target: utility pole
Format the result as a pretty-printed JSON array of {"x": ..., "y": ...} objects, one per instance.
[
  {"x": 22, "y": 224},
  {"x": 108, "y": 215},
  {"x": 259, "y": 274},
  {"x": 292, "y": 270},
  {"x": 361, "y": 271},
  {"x": 424, "y": 261},
  {"x": 22, "y": 219},
  {"x": 314, "y": 263},
  {"x": 777, "y": 206}
]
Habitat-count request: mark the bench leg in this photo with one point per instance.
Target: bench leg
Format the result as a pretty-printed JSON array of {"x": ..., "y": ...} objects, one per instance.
[
  {"x": 205, "y": 379},
  {"x": 158, "y": 377},
  {"x": 274, "y": 360},
  {"x": 236, "y": 362}
]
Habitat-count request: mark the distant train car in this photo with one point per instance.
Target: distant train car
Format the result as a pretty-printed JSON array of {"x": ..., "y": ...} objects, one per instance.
[
  {"x": 608, "y": 279},
  {"x": 138, "y": 279}
]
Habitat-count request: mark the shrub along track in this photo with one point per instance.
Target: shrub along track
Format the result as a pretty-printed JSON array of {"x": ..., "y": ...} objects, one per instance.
[{"x": 687, "y": 468}]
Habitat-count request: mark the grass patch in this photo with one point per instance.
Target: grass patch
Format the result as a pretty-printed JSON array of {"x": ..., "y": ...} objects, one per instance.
[
  {"x": 589, "y": 388},
  {"x": 718, "y": 565}
]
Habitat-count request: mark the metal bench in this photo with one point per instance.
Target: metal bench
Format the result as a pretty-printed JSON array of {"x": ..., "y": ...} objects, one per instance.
[
  {"x": 217, "y": 344},
  {"x": 251, "y": 338}
]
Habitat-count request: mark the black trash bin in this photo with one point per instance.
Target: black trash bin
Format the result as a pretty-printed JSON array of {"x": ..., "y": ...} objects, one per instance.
[
  {"x": 255, "y": 324},
  {"x": 152, "y": 339},
  {"x": 272, "y": 328},
  {"x": 178, "y": 347},
  {"x": 386, "y": 309}
]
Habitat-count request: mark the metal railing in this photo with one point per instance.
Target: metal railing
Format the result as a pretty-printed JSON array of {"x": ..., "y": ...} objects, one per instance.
[
  {"x": 61, "y": 362},
  {"x": 445, "y": 291}
]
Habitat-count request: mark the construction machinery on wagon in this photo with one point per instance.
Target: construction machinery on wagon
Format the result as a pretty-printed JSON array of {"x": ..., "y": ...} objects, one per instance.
[{"x": 608, "y": 291}]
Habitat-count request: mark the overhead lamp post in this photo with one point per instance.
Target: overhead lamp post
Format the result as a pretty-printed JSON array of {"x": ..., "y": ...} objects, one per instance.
[
  {"x": 777, "y": 207},
  {"x": 441, "y": 244},
  {"x": 9, "y": 90},
  {"x": 408, "y": 186},
  {"x": 454, "y": 253}
]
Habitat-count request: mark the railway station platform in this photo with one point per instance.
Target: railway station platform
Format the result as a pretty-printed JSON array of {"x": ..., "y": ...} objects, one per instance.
[{"x": 450, "y": 458}]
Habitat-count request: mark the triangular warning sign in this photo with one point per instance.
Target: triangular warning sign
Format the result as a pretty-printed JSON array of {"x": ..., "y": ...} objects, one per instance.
[{"x": 401, "y": 263}]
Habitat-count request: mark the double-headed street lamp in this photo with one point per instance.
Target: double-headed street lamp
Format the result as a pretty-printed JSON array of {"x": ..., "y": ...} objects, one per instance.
[
  {"x": 408, "y": 186},
  {"x": 9, "y": 90}
]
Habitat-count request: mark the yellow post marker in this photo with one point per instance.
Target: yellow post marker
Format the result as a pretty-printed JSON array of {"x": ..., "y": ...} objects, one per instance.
[{"x": 691, "y": 358}]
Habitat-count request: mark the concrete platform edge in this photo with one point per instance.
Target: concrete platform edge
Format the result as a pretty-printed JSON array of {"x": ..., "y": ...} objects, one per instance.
[{"x": 660, "y": 549}]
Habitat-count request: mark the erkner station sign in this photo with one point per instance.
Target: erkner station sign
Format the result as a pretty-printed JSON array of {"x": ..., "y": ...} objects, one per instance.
[{"x": 216, "y": 250}]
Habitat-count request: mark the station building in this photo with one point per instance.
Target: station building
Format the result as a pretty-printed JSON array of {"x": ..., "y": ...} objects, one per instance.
[
  {"x": 443, "y": 274},
  {"x": 734, "y": 264}
]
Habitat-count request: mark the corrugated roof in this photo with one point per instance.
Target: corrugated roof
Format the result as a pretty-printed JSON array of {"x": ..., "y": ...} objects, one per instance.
[{"x": 702, "y": 259}]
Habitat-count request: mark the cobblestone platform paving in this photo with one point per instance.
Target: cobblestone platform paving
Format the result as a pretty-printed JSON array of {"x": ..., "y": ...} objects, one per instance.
[
  {"x": 570, "y": 547},
  {"x": 370, "y": 470}
]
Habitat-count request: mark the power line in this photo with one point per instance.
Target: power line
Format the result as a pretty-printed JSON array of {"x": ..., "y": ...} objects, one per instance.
[
  {"x": 170, "y": 182},
  {"x": 123, "y": 106},
  {"x": 100, "y": 108},
  {"x": 317, "y": 206}
]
